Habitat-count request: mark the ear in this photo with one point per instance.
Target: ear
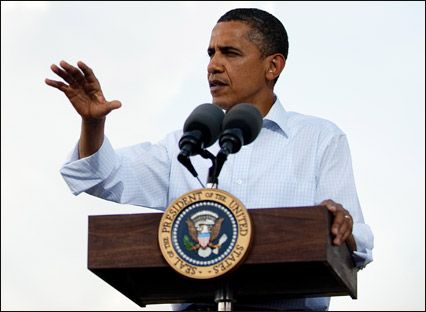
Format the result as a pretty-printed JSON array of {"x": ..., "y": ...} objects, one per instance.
[{"x": 275, "y": 65}]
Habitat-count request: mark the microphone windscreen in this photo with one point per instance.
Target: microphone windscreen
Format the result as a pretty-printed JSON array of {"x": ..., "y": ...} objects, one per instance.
[
  {"x": 206, "y": 118},
  {"x": 246, "y": 117}
]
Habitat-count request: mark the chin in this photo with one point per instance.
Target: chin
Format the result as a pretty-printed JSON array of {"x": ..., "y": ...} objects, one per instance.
[{"x": 226, "y": 105}]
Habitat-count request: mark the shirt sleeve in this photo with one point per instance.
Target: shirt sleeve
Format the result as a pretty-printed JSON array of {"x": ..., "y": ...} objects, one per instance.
[
  {"x": 335, "y": 181},
  {"x": 137, "y": 175}
]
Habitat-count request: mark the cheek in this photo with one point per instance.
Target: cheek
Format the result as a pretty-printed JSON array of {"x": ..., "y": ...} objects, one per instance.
[
  {"x": 247, "y": 75},
  {"x": 248, "y": 82}
]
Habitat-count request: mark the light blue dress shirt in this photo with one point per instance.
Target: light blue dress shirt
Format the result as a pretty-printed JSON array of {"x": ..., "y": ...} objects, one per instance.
[{"x": 296, "y": 160}]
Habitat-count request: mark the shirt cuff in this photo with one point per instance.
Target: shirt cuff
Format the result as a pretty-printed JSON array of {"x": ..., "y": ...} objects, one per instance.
[
  {"x": 364, "y": 244},
  {"x": 82, "y": 174}
]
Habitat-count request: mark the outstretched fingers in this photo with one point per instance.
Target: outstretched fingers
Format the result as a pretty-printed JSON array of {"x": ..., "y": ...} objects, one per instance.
[
  {"x": 77, "y": 76},
  {"x": 88, "y": 72},
  {"x": 62, "y": 73},
  {"x": 56, "y": 84}
]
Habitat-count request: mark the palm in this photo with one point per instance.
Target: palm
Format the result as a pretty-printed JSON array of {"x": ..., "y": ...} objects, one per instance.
[{"x": 88, "y": 101}]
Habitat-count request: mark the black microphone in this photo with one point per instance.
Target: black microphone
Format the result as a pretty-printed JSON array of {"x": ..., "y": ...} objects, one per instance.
[
  {"x": 201, "y": 129},
  {"x": 241, "y": 125}
]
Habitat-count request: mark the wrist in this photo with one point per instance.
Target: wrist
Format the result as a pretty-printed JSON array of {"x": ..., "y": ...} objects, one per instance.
[
  {"x": 91, "y": 137},
  {"x": 93, "y": 121}
]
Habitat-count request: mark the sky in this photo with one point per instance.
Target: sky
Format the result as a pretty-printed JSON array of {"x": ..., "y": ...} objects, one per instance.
[{"x": 359, "y": 64}]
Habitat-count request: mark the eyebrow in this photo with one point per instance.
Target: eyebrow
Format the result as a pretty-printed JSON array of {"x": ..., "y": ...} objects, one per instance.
[{"x": 223, "y": 49}]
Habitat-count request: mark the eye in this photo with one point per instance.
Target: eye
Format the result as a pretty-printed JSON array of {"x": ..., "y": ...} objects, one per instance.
[
  {"x": 210, "y": 53},
  {"x": 231, "y": 52}
]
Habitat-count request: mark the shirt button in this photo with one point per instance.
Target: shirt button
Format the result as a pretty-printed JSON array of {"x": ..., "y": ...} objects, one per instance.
[{"x": 239, "y": 181}]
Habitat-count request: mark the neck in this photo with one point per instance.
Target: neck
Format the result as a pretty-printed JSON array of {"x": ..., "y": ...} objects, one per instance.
[{"x": 266, "y": 105}]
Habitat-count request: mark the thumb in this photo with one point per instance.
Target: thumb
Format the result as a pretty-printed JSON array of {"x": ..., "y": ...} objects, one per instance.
[
  {"x": 330, "y": 205},
  {"x": 114, "y": 104}
]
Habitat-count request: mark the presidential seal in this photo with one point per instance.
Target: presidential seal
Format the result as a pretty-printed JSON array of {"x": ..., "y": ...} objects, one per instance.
[{"x": 205, "y": 233}]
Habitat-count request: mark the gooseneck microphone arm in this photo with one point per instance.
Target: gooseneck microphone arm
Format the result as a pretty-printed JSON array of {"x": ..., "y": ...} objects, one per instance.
[
  {"x": 230, "y": 142},
  {"x": 210, "y": 178}
]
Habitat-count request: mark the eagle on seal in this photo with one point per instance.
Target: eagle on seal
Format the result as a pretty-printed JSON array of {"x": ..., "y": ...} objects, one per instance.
[{"x": 204, "y": 234}]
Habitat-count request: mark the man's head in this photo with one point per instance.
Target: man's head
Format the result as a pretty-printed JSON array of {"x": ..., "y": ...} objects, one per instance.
[
  {"x": 248, "y": 49},
  {"x": 267, "y": 32}
]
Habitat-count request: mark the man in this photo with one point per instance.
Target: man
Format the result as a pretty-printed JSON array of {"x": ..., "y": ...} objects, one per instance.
[{"x": 296, "y": 160}]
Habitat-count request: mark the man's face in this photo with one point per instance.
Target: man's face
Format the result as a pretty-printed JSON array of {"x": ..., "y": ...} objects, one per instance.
[{"x": 236, "y": 71}]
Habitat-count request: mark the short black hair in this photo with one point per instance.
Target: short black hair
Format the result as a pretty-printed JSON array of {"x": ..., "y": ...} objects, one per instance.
[{"x": 268, "y": 33}]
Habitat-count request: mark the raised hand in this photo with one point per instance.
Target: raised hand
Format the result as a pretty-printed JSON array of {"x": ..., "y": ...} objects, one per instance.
[{"x": 83, "y": 90}]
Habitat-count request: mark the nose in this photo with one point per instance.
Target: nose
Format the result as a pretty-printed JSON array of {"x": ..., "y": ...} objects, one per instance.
[{"x": 215, "y": 65}]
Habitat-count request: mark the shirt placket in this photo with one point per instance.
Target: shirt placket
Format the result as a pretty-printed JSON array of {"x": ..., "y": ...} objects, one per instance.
[{"x": 241, "y": 172}]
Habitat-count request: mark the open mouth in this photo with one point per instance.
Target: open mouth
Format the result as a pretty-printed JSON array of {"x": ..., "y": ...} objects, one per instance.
[{"x": 216, "y": 85}]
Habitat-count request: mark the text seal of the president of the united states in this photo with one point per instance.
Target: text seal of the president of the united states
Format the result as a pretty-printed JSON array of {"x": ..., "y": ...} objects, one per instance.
[{"x": 205, "y": 233}]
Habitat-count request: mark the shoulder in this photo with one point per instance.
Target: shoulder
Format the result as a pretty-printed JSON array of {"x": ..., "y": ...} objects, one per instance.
[
  {"x": 171, "y": 139},
  {"x": 298, "y": 122}
]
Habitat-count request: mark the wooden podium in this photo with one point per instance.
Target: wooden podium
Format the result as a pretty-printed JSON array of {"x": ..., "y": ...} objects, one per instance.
[{"x": 292, "y": 256}]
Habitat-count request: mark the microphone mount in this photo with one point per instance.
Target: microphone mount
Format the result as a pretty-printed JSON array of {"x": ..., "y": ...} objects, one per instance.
[
  {"x": 240, "y": 126},
  {"x": 212, "y": 180}
]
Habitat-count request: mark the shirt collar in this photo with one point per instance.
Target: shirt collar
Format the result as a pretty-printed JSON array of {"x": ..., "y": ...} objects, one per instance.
[{"x": 278, "y": 116}]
